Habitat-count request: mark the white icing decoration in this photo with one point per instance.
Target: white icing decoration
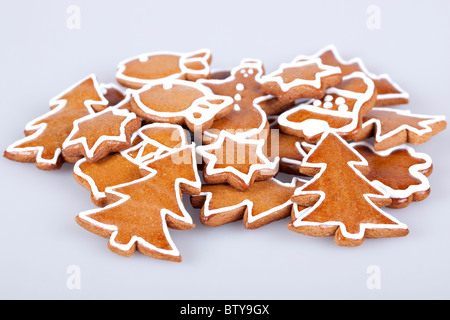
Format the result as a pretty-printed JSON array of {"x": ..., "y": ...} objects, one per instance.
[
  {"x": 298, "y": 146},
  {"x": 211, "y": 159},
  {"x": 414, "y": 170},
  {"x": 317, "y": 103},
  {"x": 425, "y": 123},
  {"x": 91, "y": 151},
  {"x": 123, "y": 198},
  {"x": 60, "y": 104},
  {"x": 328, "y": 105},
  {"x": 401, "y": 95},
  {"x": 300, "y": 215},
  {"x": 328, "y": 98},
  {"x": 343, "y": 108},
  {"x": 246, "y": 64},
  {"x": 240, "y": 87},
  {"x": 185, "y": 58},
  {"x": 237, "y": 97},
  {"x": 316, "y": 83},
  {"x": 311, "y": 127},
  {"x": 197, "y": 107},
  {"x": 251, "y": 218},
  {"x": 339, "y": 100},
  {"x": 140, "y": 158}
]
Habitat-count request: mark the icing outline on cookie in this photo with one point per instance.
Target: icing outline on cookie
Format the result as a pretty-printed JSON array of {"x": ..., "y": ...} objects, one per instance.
[
  {"x": 420, "y": 132},
  {"x": 248, "y": 203},
  {"x": 184, "y": 59},
  {"x": 83, "y": 140},
  {"x": 140, "y": 159},
  {"x": 59, "y": 105},
  {"x": 244, "y": 64},
  {"x": 212, "y": 159},
  {"x": 299, "y": 215},
  {"x": 414, "y": 170},
  {"x": 402, "y": 93},
  {"x": 188, "y": 113},
  {"x": 316, "y": 83},
  {"x": 312, "y": 127},
  {"x": 123, "y": 198}
]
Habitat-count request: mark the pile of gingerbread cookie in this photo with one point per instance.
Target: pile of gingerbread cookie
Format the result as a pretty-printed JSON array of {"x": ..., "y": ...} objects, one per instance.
[{"x": 330, "y": 124}]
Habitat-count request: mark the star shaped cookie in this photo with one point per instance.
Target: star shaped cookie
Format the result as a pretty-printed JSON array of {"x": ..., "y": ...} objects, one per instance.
[
  {"x": 236, "y": 161},
  {"x": 97, "y": 135},
  {"x": 389, "y": 92},
  {"x": 301, "y": 79}
]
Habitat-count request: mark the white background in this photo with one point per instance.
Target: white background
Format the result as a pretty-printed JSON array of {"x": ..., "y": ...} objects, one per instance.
[{"x": 39, "y": 239}]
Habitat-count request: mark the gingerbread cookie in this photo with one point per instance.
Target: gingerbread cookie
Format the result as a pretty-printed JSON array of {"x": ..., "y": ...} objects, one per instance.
[
  {"x": 301, "y": 79},
  {"x": 180, "y": 102},
  {"x": 400, "y": 171},
  {"x": 149, "y": 142},
  {"x": 146, "y": 68},
  {"x": 340, "y": 200},
  {"x": 96, "y": 135},
  {"x": 392, "y": 127},
  {"x": 389, "y": 92},
  {"x": 46, "y": 134},
  {"x": 236, "y": 161},
  {"x": 155, "y": 203},
  {"x": 251, "y": 105},
  {"x": 265, "y": 202},
  {"x": 341, "y": 110}
]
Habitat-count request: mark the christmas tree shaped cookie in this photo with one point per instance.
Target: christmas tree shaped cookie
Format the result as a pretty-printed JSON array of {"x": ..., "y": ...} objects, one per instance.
[
  {"x": 340, "y": 200},
  {"x": 149, "y": 142},
  {"x": 141, "y": 211},
  {"x": 46, "y": 134}
]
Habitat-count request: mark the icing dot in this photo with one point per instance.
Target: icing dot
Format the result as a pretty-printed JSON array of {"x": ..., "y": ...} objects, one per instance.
[
  {"x": 250, "y": 71},
  {"x": 237, "y": 97},
  {"x": 245, "y": 75},
  {"x": 243, "y": 71},
  {"x": 327, "y": 105},
  {"x": 340, "y": 101},
  {"x": 343, "y": 107},
  {"x": 239, "y": 87},
  {"x": 236, "y": 107},
  {"x": 317, "y": 103},
  {"x": 328, "y": 98}
]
